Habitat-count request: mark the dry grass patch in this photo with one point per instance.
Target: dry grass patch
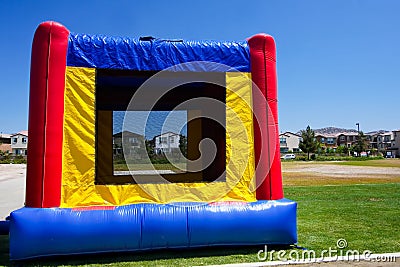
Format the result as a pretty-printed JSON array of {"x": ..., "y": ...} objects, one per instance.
[
  {"x": 395, "y": 163},
  {"x": 333, "y": 173},
  {"x": 308, "y": 178}
]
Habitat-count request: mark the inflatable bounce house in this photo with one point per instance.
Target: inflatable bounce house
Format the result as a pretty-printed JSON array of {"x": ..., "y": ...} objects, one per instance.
[{"x": 142, "y": 144}]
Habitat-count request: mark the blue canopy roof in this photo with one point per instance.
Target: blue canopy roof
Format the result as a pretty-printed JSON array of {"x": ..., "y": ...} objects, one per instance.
[{"x": 104, "y": 52}]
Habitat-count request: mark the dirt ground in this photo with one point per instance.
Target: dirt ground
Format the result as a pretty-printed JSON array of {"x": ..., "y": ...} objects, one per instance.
[
  {"x": 12, "y": 188},
  {"x": 341, "y": 170},
  {"x": 311, "y": 173}
]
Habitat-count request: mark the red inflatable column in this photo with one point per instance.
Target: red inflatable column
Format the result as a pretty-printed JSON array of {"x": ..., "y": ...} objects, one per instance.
[
  {"x": 46, "y": 114},
  {"x": 266, "y": 132}
]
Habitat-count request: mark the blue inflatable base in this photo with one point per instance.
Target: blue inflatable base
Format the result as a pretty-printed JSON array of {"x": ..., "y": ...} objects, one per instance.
[
  {"x": 4, "y": 227},
  {"x": 38, "y": 232}
]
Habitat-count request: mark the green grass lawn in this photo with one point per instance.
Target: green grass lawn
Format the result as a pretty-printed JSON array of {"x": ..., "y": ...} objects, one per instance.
[{"x": 367, "y": 216}]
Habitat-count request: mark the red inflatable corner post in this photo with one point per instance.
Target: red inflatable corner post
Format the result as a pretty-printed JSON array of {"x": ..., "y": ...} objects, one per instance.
[
  {"x": 47, "y": 83},
  {"x": 266, "y": 132}
]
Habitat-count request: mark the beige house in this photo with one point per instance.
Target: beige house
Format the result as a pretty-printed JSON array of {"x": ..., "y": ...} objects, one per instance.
[
  {"x": 289, "y": 142},
  {"x": 19, "y": 143},
  {"x": 166, "y": 142}
]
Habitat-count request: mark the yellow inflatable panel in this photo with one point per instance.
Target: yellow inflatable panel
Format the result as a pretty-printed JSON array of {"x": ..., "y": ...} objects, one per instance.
[{"x": 79, "y": 164}]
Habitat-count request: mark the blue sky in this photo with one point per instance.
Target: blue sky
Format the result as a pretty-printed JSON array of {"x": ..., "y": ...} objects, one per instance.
[
  {"x": 150, "y": 124},
  {"x": 338, "y": 61}
]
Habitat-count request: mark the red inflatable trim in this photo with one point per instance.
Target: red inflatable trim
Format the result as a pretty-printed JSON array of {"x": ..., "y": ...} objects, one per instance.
[
  {"x": 263, "y": 71},
  {"x": 94, "y": 208},
  {"x": 46, "y": 114}
]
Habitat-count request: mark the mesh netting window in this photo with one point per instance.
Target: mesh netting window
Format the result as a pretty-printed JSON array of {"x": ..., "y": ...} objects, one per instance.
[{"x": 150, "y": 131}]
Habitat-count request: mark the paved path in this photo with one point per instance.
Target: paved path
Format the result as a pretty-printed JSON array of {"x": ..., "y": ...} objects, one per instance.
[{"x": 12, "y": 188}]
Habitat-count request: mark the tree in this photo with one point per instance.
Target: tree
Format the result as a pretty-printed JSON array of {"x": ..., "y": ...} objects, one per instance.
[
  {"x": 150, "y": 148},
  {"x": 343, "y": 150},
  {"x": 361, "y": 144},
  {"x": 183, "y": 144},
  {"x": 308, "y": 144}
]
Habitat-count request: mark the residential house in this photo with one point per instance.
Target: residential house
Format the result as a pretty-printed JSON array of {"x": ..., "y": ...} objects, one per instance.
[
  {"x": 166, "y": 142},
  {"x": 289, "y": 142},
  {"x": 5, "y": 148},
  {"x": 132, "y": 144},
  {"x": 383, "y": 141},
  {"x": 387, "y": 139},
  {"x": 5, "y": 143},
  {"x": 327, "y": 140},
  {"x": 380, "y": 140},
  {"x": 19, "y": 143},
  {"x": 5, "y": 138},
  {"x": 346, "y": 139},
  {"x": 394, "y": 149}
]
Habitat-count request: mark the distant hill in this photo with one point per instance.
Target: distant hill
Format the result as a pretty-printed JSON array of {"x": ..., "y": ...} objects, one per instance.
[
  {"x": 332, "y": 130},
  {"x": 377, "y": 132},
  {"x": 335, "y": 130}
]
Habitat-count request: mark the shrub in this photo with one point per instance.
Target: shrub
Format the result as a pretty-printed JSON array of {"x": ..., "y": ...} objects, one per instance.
[
  {"x": 300, "y": 158},
  {"x": 347, "y": 158},
  {"x": 19, "y": 159}
]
